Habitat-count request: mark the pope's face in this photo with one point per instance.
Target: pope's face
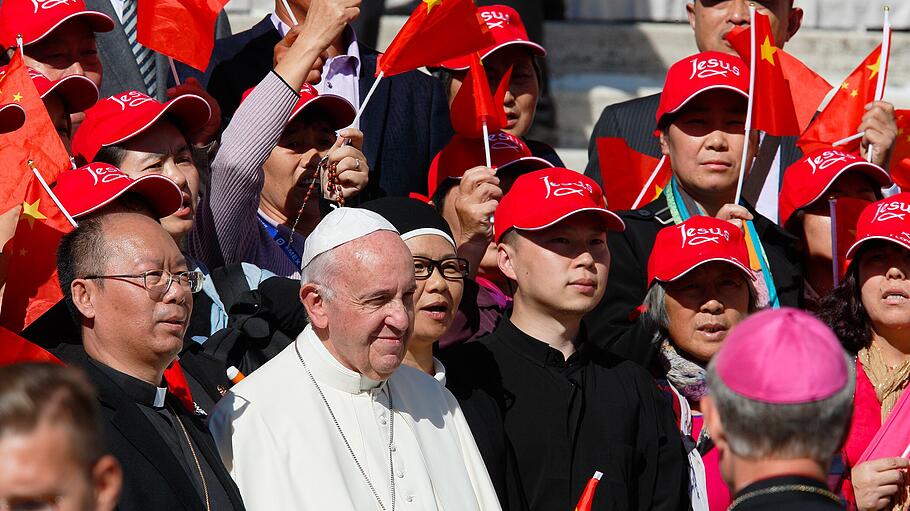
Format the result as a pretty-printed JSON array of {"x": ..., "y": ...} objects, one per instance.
[
  {"x": 371, "y": 315},
  {"x": 713, "y": 19}
]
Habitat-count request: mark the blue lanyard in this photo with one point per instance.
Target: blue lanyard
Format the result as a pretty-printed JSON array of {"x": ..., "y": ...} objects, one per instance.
[{"x": 281, "y": 242}]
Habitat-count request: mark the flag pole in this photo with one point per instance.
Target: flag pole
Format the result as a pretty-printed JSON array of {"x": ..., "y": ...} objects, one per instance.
[
  {"x": 883, "y": 59},
  {"x": 832, "y": 208},
  {"x": 31, "y": 165},
  {"x": 486, "y": 143},
  {"x": 20, "y": 45},
  {"x": 637, "y": 204},
  {"x": 849, "y": 139},
  {"x": 287, "y": 9},
  {"x": 745, "y": 157},
  {"x": 366, "y": 100},
  {"x": 170, "y": 61}
]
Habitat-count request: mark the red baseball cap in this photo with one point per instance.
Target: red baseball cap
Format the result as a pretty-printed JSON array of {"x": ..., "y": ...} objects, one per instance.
[
  {"x": 35, "y": 19},
  {"x": 506, "y": 28},
  {"x": 699, "y": 73},
  {"x": 507, "y": 153},
  {"x": 78, "y": 92},
  {"x": 341, "y": 111},
  {"x": 887, "y": 219},
  {"x": 809, "y": 178},
  {"x": 679, "y": 249},
  {"x": 121, "y": 117},
  {"x": 12, "y": 117},
  {"x": 546, "y": 197},
  {"x": 90, "y": 188}
]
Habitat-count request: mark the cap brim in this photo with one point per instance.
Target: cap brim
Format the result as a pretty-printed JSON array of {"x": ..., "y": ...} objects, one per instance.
[
  {"x": 525, "y": 165},
  {"x": 878, "y": 174},
  {"x": 611, "y": 220},
  {"x": 856, "y": 245},
  {"x": 682, "y": 274},
  {"x": 190, "y": 110},
  {"x": 701, "y": 91},
  {"x": 78, "y": 92},
  {"x": 98, "y": 21},
  {"x": 163, "y": 195},
  {"x": 463, "y": 63},
  {"x": 340, "y": 110},
  {"x": 12, "y": 117}
]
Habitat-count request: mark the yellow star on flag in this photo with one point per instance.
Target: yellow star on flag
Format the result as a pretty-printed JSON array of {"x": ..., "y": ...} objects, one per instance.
[
  {"x": 854, "y": 93},
  {"x": 845, "y": 86},
  {"x": 657, "y": 191},
  {"x": 874, "y": 67},
  {"x": 23, "y": 252},
  {"x": 431, "y": 4},
  {"x": 768, "y": 50},
  {"x": 17, "y": 97},
  {"x": 31, "y": 213}
]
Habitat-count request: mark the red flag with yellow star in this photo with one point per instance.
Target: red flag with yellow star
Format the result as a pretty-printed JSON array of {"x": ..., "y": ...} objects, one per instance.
[
  {"x": 900, "y": 153},
  {"x": 773, "y": 110},
  {"x": 31, "y": 257},
  {"x": 16, "y": 350},
  {"x": 36, "y": 140},
  {"x": 625, "y": 173},
  {"x": 437, "y": 30},
  {"x": 844, "y": 113}
]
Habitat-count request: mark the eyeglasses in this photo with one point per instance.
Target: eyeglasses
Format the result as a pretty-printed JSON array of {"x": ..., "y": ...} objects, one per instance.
[
  {"x": 451, "y": 268},
  {"x": 45, "y": 503},
  {"x": 157, "y": 282}
]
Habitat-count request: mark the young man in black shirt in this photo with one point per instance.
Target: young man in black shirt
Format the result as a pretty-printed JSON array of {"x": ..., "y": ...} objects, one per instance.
[{"x": 567, "y": 408}]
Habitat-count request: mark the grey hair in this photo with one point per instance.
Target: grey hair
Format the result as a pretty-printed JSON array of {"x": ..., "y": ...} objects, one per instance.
[
  {"x": 319, "y": 271},
  {"x": 756, "y": 429},
  {"x": 655, "y": 304}
]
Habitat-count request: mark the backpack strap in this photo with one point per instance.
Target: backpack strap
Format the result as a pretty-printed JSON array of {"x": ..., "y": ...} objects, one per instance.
[{"x": 230, "y": 282}]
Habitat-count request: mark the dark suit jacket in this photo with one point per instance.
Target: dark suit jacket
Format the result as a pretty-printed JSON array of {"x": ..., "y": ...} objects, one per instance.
[
  {"x": 404, "y": 126},
  {"x": 121, "y": 73},
  {"x": 153, "y": 479},
  {"x": 635, "y": 122},
  {"x": 615, "y": 325}
]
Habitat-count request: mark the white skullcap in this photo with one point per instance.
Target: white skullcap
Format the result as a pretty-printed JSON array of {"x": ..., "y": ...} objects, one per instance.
[{"x": 339, "y": 227}]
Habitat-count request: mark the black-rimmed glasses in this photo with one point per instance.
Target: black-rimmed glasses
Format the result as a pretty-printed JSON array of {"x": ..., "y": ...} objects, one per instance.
[
  {"x": 157, "y": 282},
  {"x": 451, "y": 268}
]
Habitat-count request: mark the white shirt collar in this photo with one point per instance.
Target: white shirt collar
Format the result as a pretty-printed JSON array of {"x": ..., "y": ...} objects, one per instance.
[
  {"x": 440, "y": 369},
  {"x": 327, "y": 369}
]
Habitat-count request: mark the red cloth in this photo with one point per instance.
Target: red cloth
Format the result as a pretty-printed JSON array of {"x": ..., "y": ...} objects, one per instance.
[
  {"x": 15, "y": 349},
  {"x": 437, "y": 30},
  {"x": 718, "y": 493},
  {"x": 475, "y": 105},
  {"x": 625, "y": 171},
  {"x": 867, "y": 420},
  {"x": 846, "y": 215},
  {"x": 31, "y": 280},
  {"x": 900, "y": 154},
  {"x": 181, "y": 29},
  {"x": 772, "y": 110},
  {"x": 844, "y": 113},
  {"x": 37, "y": 140},
  {"x": 178, "y": 386}
]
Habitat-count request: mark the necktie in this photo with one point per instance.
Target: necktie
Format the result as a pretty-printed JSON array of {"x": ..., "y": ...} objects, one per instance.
[{"x": 145, "y": 58}]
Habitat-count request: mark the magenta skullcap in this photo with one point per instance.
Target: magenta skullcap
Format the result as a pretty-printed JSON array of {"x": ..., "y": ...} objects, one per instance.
[{"x": 782, "y": 356}]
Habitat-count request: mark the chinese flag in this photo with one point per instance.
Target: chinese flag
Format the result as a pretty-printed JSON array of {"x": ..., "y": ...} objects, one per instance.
[
  {"x": 773, "y": 109},
  {"x": 437, "y": 30},
  {"x": 37, "y": 140},
  {"x": 624, "y": 173},
  {"x": 178, "y": 386},
  {"x": 474, "y": 105},
  {"x": 844, "y": 113},
  {"x": 15, "y": 349},
  {"x": 844, "y": 218},
  {"x": 181, "y": 29},
  {"x": 31, "y": 280},
  {"x": 900, "y": 153},
  {"x": 587, "y": 497}
]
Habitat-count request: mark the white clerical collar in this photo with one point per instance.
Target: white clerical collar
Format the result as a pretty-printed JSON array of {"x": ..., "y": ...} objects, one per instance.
[
  {"x": 327, "y": 369},
  {"x": 440, "y": 370}
]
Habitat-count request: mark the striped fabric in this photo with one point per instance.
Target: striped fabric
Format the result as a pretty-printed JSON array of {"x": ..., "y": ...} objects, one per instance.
[{"x": 145, "y": 58}]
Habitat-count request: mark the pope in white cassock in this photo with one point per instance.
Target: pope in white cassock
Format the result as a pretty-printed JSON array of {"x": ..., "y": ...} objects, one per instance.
[{"x": 335, "y": 421}]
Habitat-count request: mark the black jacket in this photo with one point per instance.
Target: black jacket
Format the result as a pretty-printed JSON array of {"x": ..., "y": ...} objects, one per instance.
[
  {"x": 404, "y": 126},
  {"x": 153, "y": 479},
  {"x": 565, "y": 419},
  {"x": 614, "y": 324},
  {"x": 786, "y": 493}
]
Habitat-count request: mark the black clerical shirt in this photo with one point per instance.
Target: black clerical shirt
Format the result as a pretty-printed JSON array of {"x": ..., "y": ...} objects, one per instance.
[
  {"x": 567, "y": 418},
  {"x": 157, "y": 406}
]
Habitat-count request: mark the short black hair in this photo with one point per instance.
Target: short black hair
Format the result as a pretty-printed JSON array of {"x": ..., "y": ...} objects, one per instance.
[
  {"x": 81, "y": 252},
  {"x": 111, "y": 154}
]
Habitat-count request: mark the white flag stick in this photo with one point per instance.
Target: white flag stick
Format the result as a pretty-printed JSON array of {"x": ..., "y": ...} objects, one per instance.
[
  {"x": 849, "y": 139},
  {"x": 883, "y": 59},
  {"x": 745, "y": 157},
  {"x": 832, "y": 209},
  {"x": 486, "y": 144},
  {"x": 47, "y": 189},
  {"x": 287, "y": 9},
  {"x": 637, "y": 204},
  {"x": 366, "y": 100},
  {"x": 170, "y": 61}
]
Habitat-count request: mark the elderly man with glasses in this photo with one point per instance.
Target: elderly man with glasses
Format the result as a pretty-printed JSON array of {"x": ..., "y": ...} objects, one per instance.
[{"x": 128, "y": 288}]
